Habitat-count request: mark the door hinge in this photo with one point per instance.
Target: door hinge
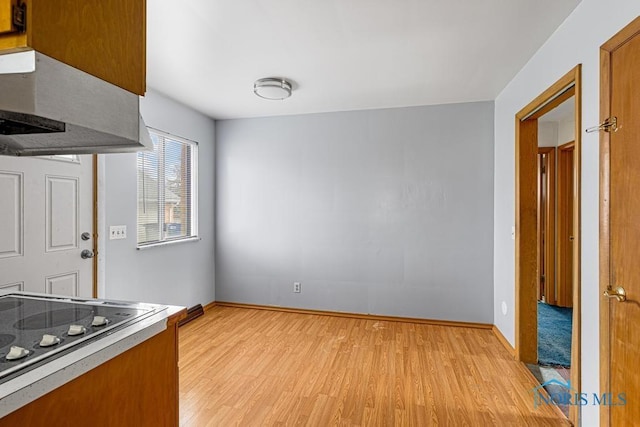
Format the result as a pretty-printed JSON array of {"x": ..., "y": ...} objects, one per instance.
[
  {"x": 541, "y": 279},
  {"x": 609, "y": 125},
  {"x": 19, "y": 12}
]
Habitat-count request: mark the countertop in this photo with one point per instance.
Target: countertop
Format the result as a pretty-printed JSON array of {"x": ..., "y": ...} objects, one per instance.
[{"x": 37, "y": 382}]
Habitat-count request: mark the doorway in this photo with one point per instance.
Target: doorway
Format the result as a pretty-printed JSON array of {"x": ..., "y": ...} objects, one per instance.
[
  {"x": 529, "y": 284},
  {"x": 555, "y": 177},
  {"x": 619, "y": 233}
]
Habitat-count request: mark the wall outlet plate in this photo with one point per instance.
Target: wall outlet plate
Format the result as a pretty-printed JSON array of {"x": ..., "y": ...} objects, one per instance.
[
  {"x": 117, "y": 232},
  {"x": 297, "y": 287}
]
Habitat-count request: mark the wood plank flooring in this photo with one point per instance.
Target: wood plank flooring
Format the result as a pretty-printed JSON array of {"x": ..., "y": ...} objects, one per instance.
[{"x": 251, "y": 367}]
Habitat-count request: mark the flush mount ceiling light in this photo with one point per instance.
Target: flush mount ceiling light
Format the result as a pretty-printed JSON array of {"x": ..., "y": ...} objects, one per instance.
[{"x": 273, "y": 88}]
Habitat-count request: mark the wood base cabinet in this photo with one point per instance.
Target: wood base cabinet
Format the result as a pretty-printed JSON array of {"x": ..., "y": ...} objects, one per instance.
[{"x": 137, "y": 388}]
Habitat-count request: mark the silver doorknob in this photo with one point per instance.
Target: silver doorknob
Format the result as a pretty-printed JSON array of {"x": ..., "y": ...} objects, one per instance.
[
  {"x": 618, "y": 293},
  {"x": 86, "y": 254}
]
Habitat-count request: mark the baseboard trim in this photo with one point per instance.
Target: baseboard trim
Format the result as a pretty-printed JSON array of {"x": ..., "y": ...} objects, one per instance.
[
  {"x": 503, "y": 341},
  {"x": 209, "y": 306},
  {"x": 356, "y": 315}
]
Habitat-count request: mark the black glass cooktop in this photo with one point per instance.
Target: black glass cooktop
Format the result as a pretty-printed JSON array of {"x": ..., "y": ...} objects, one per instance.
[{"x": 35, "y": 329}]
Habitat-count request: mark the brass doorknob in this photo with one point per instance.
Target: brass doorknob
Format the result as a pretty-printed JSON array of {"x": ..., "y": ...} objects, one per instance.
[{"x": 618, "y": 293}]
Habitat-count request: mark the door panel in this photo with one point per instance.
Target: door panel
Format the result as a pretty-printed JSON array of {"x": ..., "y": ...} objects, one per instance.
[
  {"x": 11, "y": 214},
  {"x": 63, "y": 284},
  {"x": 61, "y": 213},
  {"x": 625, "y": 230},
  {"x": 620, "y": 238},
  {"x": 47, "y": 203},
  {"x": 12, "y": 287}
]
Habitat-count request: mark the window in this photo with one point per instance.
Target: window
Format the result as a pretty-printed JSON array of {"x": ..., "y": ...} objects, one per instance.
[
  {"x": 71, "y": 158},
  {"x": 167, "y": 190}
]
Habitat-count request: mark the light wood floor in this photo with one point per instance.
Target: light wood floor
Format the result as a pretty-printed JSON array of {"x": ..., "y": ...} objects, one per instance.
[{"x": 254, "y": 367}]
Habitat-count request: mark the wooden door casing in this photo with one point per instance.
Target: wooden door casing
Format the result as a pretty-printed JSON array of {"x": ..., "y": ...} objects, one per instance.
[{"x": 525, "y": 220}]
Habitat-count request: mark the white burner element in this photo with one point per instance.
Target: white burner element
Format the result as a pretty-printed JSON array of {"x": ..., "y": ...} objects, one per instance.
[
  {"x": 16, "y": 353},
  {"x": 76, "y": 330},
  {"x": 99, "y": 321},
  {"x": 49, "y": 340}
]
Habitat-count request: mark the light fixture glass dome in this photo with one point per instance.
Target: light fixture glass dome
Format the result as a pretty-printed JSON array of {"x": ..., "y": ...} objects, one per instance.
[{"x": 273, "y": 88}]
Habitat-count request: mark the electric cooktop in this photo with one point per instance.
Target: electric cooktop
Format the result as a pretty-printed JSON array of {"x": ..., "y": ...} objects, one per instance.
[{"x": 37, "y": 329}]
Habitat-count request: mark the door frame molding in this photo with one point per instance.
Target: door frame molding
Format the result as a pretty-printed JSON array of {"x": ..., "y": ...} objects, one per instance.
[
  {"x": 526, "y": 245},
  {"x": 629, "y": 31},
  {"x": 94, "y": 160}
]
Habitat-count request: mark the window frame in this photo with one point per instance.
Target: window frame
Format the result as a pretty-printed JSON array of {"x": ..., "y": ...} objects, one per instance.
[{"x": 194, "y": 175}]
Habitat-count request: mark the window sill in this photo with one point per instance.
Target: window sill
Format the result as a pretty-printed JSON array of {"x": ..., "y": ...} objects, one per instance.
[{"x": 169, "y": 242}]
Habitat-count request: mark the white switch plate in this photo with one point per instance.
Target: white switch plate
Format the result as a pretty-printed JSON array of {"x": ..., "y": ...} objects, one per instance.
[
  {"x": 117, "y": 232},
  {"x": 513, "y": 233}
]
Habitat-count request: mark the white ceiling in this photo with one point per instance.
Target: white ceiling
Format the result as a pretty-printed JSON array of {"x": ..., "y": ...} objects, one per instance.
[{"x": 342, "y": 54}]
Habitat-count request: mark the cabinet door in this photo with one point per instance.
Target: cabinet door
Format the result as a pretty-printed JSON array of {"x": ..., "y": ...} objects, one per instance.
[
  {"x": 105, "y": 38},
  {"x": 5, "y": 16}
]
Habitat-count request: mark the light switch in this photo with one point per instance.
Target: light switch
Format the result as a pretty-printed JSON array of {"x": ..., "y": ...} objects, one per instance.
[{"x": 117, "y": 232}]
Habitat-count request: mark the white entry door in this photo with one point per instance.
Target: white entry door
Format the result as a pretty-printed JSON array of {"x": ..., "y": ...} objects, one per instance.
[{"x": 46, "y": 206}]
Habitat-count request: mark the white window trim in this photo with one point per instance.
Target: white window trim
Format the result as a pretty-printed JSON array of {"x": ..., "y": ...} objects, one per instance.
[{"x": 169, "y": 242}]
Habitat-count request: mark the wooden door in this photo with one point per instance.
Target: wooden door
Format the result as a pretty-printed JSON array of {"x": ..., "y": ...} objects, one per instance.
[
  {"x": 546, "y": 224},
  {"x": 47, "y": 205},
  {"x": 565, "y": 238},
  {"x": 620, "y": 226}
]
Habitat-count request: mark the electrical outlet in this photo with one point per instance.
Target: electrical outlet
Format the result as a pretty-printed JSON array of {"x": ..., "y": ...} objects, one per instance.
[
  {"x": 117, "y": 232},
  {"x": 297, "y": 287}
]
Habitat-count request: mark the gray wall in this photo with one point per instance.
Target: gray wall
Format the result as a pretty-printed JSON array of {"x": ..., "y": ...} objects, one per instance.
[
  {"x": 182, "y": 273},
  {"x": 382, "y": 211}
]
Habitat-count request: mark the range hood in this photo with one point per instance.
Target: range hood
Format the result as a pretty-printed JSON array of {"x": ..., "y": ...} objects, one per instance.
[{"x": 48, "y": 107}]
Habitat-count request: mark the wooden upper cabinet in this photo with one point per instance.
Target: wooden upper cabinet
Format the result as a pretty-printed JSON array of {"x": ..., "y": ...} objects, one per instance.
[
  {"x": 105, "y": 38},
  {"x": 6, "y": 22}
]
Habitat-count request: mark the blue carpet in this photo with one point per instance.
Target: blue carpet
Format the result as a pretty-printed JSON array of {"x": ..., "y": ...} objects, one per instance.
[{"x": 554, "y": 335}]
